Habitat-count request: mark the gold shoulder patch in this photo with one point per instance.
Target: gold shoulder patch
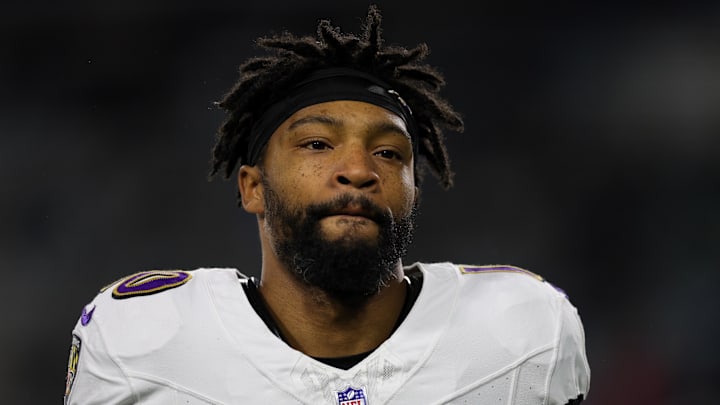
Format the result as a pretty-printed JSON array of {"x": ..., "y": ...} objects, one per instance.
[
  {"x": 497, "y": 268},
  {"x": 148, "y": 282}
]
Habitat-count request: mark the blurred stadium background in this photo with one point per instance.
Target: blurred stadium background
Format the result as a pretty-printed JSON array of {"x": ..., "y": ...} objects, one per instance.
[{"x": 591, "y": 156}]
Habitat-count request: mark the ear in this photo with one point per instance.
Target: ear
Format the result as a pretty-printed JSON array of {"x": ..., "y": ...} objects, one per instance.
[{"x": 251, "y": 189}]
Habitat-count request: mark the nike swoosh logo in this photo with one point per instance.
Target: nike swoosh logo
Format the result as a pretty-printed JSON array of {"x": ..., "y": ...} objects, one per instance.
[{"x": 86, "y": 316}]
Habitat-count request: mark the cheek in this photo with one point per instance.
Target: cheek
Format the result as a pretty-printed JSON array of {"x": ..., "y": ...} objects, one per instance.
[
  {"x": 295, "y": 182},
  {"x": 404, "y": 190},
  {"x": 304, "y": 175},
  {"x": 408, "y": 177}
]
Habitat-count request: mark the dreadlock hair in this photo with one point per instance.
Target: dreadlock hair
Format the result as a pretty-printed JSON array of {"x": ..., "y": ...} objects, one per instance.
[{"x": 293, "y": 58}]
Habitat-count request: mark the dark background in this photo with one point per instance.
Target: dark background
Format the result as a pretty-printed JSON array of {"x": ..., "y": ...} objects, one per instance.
[{"x": 591, "y": 156}]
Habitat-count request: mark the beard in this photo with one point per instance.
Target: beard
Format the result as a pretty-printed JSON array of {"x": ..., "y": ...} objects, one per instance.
[{"x": 347, "y": 268}]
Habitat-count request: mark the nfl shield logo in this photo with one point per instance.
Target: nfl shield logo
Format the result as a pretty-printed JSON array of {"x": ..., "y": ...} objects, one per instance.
[{"x": 351, "y": 396}]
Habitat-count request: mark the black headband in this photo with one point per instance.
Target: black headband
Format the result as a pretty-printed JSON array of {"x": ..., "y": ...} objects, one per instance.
[{"x": 328, "y": 85}]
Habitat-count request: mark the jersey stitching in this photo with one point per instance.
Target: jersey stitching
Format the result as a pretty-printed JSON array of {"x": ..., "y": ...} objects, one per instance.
[
  {"x": 498, "y": 373},
  {"x": 556, "y": 353},
  {"x": 213, "y": 299},
  {"x": 574, "y": 376},
  {"x": 428, "y": 353},
  {"x": 160, "y": 381},
  {"x": 116, "y": 361},
  {"x": 585, "y": 362},
  {"x": 211, "y": 292},
  {"x": 513, "y": 386},
  {"x": 273, "y": 380}
]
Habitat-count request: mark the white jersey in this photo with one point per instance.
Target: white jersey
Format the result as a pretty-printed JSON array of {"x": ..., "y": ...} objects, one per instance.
[{"x": 475, "y": 335}]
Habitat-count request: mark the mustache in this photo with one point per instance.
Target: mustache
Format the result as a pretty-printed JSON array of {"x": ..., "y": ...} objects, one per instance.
[{"x": 367, "y": 206}]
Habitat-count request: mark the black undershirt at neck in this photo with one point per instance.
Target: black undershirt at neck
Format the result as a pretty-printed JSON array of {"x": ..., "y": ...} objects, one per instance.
[{"x": 413, "y": 278}]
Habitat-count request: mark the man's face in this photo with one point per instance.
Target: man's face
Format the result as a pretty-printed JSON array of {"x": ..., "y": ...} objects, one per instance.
[{"x": 339, "y": 196}]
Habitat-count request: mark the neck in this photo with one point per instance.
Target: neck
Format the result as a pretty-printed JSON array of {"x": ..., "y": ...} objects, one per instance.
[{"x": 319, "y": 325}]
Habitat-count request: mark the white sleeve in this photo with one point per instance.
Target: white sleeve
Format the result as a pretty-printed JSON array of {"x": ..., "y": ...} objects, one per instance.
[
  {"x": 570, "y": 378},
  {"x": 94, "y": 378}
]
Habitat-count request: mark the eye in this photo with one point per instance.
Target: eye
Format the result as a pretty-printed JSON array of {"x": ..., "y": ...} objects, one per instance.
[
  {"x": 316, "y": 145},
  {"x": 388, "y": 154}
]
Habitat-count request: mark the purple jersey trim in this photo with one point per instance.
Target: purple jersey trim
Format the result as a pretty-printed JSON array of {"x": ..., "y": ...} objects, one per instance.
[
  {"x": 506, "y": 269},
  {"x": 496, "y": 269},
  {"x": 150, "y": 282}
]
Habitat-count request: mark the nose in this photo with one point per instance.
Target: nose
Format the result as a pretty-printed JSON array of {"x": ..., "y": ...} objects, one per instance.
[{"x": 356, "y": 169}]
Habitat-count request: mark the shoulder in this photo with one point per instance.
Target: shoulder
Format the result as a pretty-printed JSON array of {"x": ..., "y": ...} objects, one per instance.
[
  {"x": 152, "y": 282},
  {"x": 502, "y": 294},
  {"x": 148, "y": 315},
  {"x": 148, "y": 296},
  {"x": 514, "y": 287},
  {"x": 160, "y": 303},
  {"x": 509, "y": 278},
  {"x": 494, "y": 279},
  {"x": 522, "y": 313}
]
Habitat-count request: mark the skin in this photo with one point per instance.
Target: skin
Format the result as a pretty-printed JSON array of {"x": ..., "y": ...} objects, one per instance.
[{"x": 320, "y": 152}]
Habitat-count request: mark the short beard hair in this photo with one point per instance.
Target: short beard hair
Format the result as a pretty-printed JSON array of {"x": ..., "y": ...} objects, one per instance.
[{"x": 348, "y": 270}]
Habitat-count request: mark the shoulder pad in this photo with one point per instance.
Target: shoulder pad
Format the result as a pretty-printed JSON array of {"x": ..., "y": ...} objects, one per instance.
[{"x": 147, "y": 283}]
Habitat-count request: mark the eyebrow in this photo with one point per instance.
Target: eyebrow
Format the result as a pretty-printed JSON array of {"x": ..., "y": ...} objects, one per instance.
[
  {"x": 315, "y": 119},
  {"x": 379, "y": 127}
]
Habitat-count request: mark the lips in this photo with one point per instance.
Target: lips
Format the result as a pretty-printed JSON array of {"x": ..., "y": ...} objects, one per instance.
[
  {"x": 353, "y": 211},
  {"x": 352, "y": 214},
  {"x": 347, "y": 205}
]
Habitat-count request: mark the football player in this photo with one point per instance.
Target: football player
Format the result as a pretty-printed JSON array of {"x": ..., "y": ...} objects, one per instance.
[{"x": 327, "y": 137}]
